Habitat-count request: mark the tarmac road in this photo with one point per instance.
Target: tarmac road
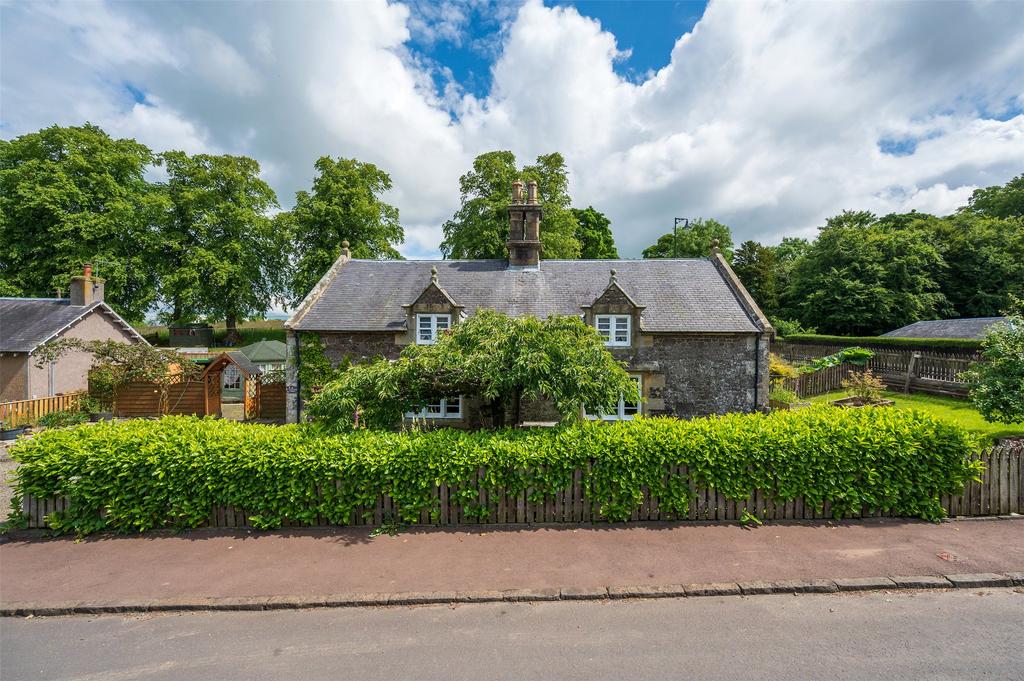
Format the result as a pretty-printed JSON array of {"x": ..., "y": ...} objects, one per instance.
[{"x": 962, "y": 634}]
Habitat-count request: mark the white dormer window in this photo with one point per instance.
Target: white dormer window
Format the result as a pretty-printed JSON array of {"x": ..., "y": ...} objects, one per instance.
[
  {"x": 430, "y": 326},
  {"x": 614, "y": 328}
]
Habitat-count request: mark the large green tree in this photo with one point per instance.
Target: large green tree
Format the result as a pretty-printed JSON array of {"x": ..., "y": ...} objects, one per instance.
[
  {"x": 756, "y": 267},
  {"x": 479, "y": 228},
  {"x": 223, "y": 258},
  {"x": 594, "y": 232},
  {"x": 984, "y": 261},
  {"x": 693, "y": 241},
  {"x": 345, "y": 204},
  {"x": 72, "y": 195},
  {"x": 863, "y": 278}
]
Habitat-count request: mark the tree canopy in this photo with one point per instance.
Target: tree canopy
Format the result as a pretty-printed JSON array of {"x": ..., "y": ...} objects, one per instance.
[
  {"x": 224, "y": 259},
  {"x": 344, "y": 204},
  {"x": 479, "y": 228},
  {"x": 864, "y": 278},
  {"x": 693, "y": 241},
  {"x": 594, "y": 232},
  {"x": 499, "y": 359},
  {"x": 757, "y": 268},
  {"x": 72, "y": 195}
]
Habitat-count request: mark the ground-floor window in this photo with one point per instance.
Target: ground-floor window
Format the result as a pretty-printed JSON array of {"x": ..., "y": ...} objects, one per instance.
[
  {"x": 447, "y": 408},
  {"x": 625, "y": 410}
]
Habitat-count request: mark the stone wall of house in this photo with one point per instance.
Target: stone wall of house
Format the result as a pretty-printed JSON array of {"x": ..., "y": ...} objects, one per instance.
[
  {"x": 13, "y": 376},
  {"x": 359, "y": 346},
  {"x": 689, "y": 375}
]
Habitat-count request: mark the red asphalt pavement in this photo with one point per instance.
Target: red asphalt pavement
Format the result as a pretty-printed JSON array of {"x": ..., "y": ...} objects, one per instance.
[{"x": 323, "y": 562}]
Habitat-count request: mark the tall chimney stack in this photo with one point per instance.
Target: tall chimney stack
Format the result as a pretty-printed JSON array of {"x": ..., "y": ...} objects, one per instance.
[
  {"x": 86, "y": 289},
  {"x": 524, "y": 227}
]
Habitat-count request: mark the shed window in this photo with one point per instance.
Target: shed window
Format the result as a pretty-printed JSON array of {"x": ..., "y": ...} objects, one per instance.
[
  {"x": 429, "y": 326},
  {"x": 625, "y": 410},
  {"x": 232, "y": 379},
  {"x": 614, "y": 328}
]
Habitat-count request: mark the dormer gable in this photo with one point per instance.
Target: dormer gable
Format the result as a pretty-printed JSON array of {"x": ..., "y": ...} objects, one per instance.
[
  {"x": 433, "y": 300},
  {"x": 614, "y": 300}
]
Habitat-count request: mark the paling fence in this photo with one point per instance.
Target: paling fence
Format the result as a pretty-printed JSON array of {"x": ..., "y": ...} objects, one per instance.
[
  {"x": 1000, "y": 492},
  {"x": 24, "y": 412},
  {"x": 935, "y": 372}
]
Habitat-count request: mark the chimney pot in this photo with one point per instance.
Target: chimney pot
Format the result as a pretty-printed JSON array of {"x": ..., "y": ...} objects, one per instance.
[
  {"x": 87, "y": 270},
  {"x": 531, "y": 192},
  {"x": 517, "y": 191}
]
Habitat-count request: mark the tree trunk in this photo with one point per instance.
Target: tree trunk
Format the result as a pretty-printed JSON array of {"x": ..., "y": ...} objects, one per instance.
[
  {"x": 497, "y": 407},
  {"x": 517, "y": 398},
  {"x": 232, "y": 337}
]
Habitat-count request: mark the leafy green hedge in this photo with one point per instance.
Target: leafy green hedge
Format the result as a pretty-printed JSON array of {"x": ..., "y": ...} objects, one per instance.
[
  {"x": 136, "y": 475},
  {"x": 888, "y": 342}
]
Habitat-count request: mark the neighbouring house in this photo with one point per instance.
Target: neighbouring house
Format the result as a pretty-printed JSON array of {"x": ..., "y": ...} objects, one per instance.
[
  {"x": 28, "y": 323},
  {"x": 690, "y": 334},
  {"x": 268, "y": 355},
  {"x": 968, "y": 327}
]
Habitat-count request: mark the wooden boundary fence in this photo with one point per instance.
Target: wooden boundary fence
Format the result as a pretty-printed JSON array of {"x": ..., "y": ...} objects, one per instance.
[
  {"x": 21, "y": 412},
  {"x": 1000, "y": 492},
  {"x": 938, "y": 373}
]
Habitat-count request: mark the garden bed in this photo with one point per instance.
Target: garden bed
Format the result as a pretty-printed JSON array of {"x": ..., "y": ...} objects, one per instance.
[{"x": 855, "y": 401}]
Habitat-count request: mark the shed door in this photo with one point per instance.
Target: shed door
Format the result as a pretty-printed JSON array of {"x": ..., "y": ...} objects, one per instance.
[{"x": 213, "y": 394}]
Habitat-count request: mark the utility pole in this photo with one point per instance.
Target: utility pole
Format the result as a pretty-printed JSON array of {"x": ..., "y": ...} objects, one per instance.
[{"x": 675, "y": 234}]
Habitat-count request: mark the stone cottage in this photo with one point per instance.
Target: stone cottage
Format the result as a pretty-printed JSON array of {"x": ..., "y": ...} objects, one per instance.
[
  {"x": 28, "y": 323},
  {"x": 689, "y": 332}
]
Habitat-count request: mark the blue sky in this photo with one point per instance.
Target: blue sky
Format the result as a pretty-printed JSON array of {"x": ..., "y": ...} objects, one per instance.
[
  {"x": 768, "y": 116},
  {"x": 647, "y": 29}
]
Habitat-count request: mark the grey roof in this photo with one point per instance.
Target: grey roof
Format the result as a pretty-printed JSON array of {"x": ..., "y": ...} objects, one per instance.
[
  {"x": 244, "y": 363},
  {"x": 688, "y": 296},
  {"x": 969, "y": 327},
  {"x": 26, "y": 323},
  {"x": 266, "y": 351}
]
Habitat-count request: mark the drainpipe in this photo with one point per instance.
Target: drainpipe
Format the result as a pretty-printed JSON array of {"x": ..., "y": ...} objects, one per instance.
[
  {"x": 298, "y": 378},
  {"x": 757, "y": 371}
]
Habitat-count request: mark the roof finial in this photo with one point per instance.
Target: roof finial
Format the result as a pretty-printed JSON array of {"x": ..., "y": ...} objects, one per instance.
[
  {"x": 614, "y": 274},
  {"x": 344, "y": 248},
  {"x": 433, "y": 274},
  {"x": 714, "y": 246}
]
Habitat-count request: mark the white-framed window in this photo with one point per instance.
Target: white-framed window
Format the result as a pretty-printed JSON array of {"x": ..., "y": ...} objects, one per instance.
[
  {"x": 625, "y": 410},
  {"x": 232, "y": 379},
  {"x": 430, "y": 326},
  {"x": 614, "y": 328},
  {"x": 447, "y": 408}
]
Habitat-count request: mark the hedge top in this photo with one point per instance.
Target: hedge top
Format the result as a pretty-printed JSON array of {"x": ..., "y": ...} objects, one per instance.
[{"x": 886, "y": 342}]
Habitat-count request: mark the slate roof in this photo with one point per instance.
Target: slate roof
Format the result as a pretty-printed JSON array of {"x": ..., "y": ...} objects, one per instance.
[
  {"x": 25, "y": 323},
  {"x": 970, "y": 327},
  {"x": 689, "y": 296}
]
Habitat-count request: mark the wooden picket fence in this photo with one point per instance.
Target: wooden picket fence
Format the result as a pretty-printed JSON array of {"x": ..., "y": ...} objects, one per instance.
[
  {"x": 1001, "y": 492},
  {"x": 934, "y": 372},
  {"x": 820, "y": 382},
  {"x": 23, "y": 412}
]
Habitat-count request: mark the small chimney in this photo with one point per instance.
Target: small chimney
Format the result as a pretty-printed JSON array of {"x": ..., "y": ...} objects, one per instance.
[
  {"x": 524, "y": 227},
  {"x": 86, "y": 289}
]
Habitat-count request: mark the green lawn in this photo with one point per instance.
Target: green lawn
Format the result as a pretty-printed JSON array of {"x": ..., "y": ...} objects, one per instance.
[{"x": 948, "y": 408}]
